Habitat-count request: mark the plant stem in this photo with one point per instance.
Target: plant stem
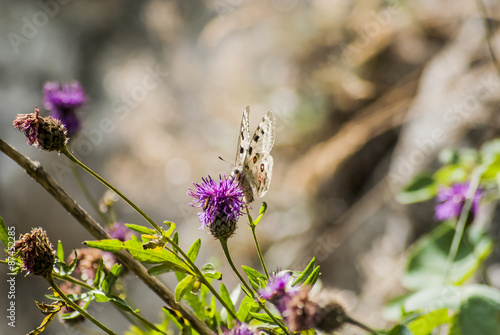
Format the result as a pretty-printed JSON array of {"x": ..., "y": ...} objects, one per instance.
[
  {"x": 459, "y": 230},
  {"x": 248, "y": 288},
  {"x": 148, "y": 219},
  {"x": 56, "y": 288},
  {"x": 68, "y": 154},
  {"x": 257, "y": 246},
  {"x": 360, "y": 325},
  {"x": 86, "y": 191}
]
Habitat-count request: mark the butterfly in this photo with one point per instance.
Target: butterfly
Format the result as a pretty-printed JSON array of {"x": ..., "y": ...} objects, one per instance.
[{"x": 254, "y": 164}]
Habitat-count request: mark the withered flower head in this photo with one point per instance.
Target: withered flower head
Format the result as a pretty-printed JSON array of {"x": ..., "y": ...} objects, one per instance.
[
  {"x": 36, "y": 252},
  {"x": 46, "y": 133}
]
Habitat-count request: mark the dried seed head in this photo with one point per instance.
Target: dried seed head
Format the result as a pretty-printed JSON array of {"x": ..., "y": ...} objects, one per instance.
[{"x": 36, "y": 252}]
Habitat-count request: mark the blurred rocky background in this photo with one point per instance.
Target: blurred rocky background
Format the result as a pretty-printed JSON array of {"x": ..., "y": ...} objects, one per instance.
[{"x": 366, "y": 94}]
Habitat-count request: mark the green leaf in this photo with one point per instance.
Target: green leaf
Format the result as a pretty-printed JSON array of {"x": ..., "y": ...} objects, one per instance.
[
  {"x": 424, "y": 324},
  {"x": 400, "y": 330},
  {"x": 262, "y": 211},
  {"x": 141, "y": 229},
  {"x": 111, "y": 277},
  {"x": 428, "y": 258},
  {"x": 194, "y": 250},
  {"x": 313, "y": 277},
  {"x": 226, "y": 297},
  {"x": 421, "y": 188},
  {"x": 100, "y": 297},
  {"x": 254, "y": 275},
  {"x": 99, "y": 275},
  {"x": 451, "y": 174},
  {"x": 120, "y": 303},
  {"x": 171, "y": 228},
  {"x": 263, "y": 317},
  {"x": 106, "y": 245},
  {"x": 478, "y": 315},
  {"x": 60, "y": 251},
  {"x": 184, "y": 286},
  {"x": 4, "y": 234},
  {"x": 161, "y": 269},
  {"x": 306, "y": 273},
  {"x": 248, "y": 304}
]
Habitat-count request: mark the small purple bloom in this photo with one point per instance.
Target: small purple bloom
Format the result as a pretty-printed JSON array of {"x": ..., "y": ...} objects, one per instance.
[
  {"x": 222, "y": 204},
  {"x": 278, "y": 292},
  {"x": 451, "y": 201},
  {"x": 63, "y": 103},
  {"x": 240, "y": 329},
  {"x": 119, "y": 231}
]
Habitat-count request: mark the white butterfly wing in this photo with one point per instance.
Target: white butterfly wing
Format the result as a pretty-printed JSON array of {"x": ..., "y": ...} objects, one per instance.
[
  {"x": 258, "y": 160},
  {"x": 243, "y": 139}
]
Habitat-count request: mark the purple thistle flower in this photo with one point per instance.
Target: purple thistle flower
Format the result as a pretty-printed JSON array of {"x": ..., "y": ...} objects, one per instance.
[
  {"x": 63, "y": 103},
  {"x": 119, "y": 231},
  {"x": 36, "y": 252},
  {"x": 278, "y": 292},
  {"x": 222, "y": 204},
  {"x": 240, "y": 329},
  {"x": 451, "y": 201}
]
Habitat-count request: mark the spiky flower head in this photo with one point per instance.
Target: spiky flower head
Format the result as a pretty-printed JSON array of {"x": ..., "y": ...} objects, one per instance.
[
  {"x": 63, "y": 101},
  {"x": 222, "y": 204},
  {"x": 451, "y": 201},
  {"x": 36, "y": 252},
  {"x": 279, "y": 291},
  {"x": 119, "y": 231},
  {"x": 46, "y": 133}
]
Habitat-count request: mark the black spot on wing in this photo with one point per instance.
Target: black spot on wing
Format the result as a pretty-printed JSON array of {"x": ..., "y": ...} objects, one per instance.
[
  {"x": 250, "y": 150},
  {"x": 242, "y": 150},
  {"x": 256, "y": 138}
]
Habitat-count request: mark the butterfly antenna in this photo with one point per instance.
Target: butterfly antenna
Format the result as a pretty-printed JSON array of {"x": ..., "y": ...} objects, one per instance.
[{"x": 222, "y": 159}]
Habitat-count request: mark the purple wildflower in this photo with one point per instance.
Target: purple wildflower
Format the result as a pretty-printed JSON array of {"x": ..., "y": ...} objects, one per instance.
[
  {"x": 222, "y": 204},
  {"x": 451, "y": 201},
  {"x": 63, "y": 103},
  {"x": 240, "y": 329},
  {"x": 278, "y": 292},
  {"x": 119, "y": 231}
]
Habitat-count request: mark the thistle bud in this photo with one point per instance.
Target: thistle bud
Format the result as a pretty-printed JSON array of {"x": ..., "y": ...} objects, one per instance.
[{"x": 36, "y": 252}]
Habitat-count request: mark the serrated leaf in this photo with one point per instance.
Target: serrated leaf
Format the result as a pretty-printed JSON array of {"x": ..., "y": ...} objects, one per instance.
[
  {"x": 141, "y": 229},
  {"x": 429, "y": 256},
  {"x": 306, "y": 273},
  {"x": 313, "y": 277},
  {"x": 194, "y": 250},
  {"x": 4, "y": 234},
  {"x": 421, "y": 188},
  {"x": 183, "y": 287}
]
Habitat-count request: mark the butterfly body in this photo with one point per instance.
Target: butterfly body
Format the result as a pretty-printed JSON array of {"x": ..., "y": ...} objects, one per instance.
[{"x": 254, "y": 163}]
